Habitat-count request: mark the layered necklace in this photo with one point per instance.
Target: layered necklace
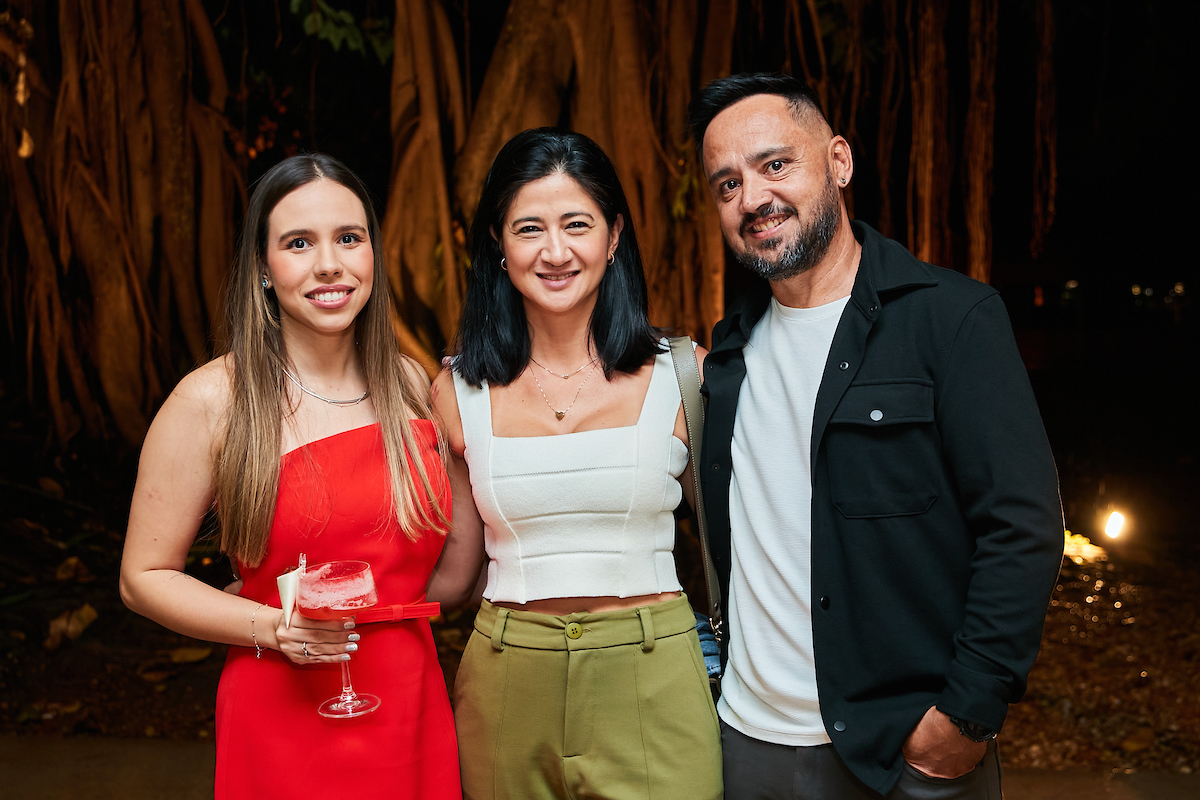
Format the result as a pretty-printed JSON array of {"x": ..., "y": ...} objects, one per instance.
[
  {"x": 560, "y": 414},
  {"x": 352, "y": 402},
  {"x": 559, "y": 374}
]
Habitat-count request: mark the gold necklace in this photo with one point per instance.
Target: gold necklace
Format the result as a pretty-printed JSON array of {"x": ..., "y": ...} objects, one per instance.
[
  {"x": 563, "y": 413},
  {"x": 559, "y": 374}
]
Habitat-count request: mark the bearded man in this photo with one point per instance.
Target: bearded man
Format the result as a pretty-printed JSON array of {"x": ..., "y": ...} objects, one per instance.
[{"x": 882, "y": 501}]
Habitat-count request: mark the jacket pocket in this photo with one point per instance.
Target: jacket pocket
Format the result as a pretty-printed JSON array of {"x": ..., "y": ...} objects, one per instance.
[{"x": 883, "y": 450}]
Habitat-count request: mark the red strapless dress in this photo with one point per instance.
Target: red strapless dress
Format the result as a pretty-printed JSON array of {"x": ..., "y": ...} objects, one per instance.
[{"x": 335, "y": 503}]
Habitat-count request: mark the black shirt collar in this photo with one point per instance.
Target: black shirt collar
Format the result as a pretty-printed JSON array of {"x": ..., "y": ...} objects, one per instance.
[{"x": 884, "y": 267}]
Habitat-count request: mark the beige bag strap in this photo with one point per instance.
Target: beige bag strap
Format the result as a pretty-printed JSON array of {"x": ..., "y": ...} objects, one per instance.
[{"x": 687, "y": 372}]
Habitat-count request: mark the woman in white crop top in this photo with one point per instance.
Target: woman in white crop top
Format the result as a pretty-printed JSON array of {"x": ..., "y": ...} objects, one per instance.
[{"x": 584, "y": 675}]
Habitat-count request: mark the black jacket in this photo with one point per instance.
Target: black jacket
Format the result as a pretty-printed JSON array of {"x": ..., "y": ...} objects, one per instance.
[{"x": 937, "y": 530}]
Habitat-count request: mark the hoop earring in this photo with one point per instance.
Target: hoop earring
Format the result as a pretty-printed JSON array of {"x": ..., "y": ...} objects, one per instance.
[
  {"x": 611, "y": 258},
  {"x": 266, "y": 284},
  {"x": 502, "y": 265}
]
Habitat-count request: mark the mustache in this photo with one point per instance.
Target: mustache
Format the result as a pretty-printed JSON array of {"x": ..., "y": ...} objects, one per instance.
[{"x": 762, "y": 213}]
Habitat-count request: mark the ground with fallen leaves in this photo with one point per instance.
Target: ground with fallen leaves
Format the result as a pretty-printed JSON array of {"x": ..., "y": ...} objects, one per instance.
[{"x": 1114, "y": 688}]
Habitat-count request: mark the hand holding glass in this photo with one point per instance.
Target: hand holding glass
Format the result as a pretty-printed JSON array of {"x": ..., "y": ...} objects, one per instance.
[{"x": 338, "y": 590}]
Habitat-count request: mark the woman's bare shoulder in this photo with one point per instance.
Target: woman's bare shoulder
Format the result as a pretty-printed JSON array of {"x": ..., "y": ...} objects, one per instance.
[
  {"x": 701, "y": 354},
  {"x": 212, "y": 381},
  {"x": 205, "y": 391},
  {"x": 414, "y": 372},
  {"x": 192, "y": 419},
  {"x": 445, "y": 409},
  {"x": 444, "y": 382}
]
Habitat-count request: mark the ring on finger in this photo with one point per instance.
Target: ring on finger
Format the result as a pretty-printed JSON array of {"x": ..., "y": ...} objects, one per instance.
[{"x": 304, "y": 647}]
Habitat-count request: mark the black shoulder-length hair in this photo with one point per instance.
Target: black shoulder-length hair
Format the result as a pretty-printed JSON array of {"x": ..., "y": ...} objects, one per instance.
[{"x": 493, "y": 336}]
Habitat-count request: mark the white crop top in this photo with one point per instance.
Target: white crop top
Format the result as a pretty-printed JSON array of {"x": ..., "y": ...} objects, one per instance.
[{"x": 586, "y": 514}]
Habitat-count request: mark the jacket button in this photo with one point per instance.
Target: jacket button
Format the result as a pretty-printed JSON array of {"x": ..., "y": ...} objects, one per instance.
[
  {"x": 839, "y": 726},
  {"x": 716, "y": 467},
  {"x": 877, "y": 415},
  {"x": 844, "y": 365},
  {"x": 825, "y": 603}
]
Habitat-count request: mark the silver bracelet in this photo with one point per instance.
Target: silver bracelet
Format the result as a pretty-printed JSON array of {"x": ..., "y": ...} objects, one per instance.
[{"x": 258, "y": 651}]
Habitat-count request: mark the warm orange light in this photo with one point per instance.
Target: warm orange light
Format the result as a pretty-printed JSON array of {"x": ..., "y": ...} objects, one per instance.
[
  {"x": 1116, "y": 521},
  {"x": 1080, "y": 549}
]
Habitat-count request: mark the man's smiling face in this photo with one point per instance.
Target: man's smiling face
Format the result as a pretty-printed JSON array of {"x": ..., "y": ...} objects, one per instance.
[{"x": 775, "y": 193}]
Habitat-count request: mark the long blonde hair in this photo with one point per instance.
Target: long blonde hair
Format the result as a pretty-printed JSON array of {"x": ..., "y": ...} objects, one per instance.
[{"x": 247, "y": 465}]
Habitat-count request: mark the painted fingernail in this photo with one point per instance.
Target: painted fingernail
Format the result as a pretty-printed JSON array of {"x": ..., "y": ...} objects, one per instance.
[
  {"x": 348, "y": 625},
  {"x": 352, "y": 647},
  {"x": 343, "y": 658},
  {"x": 352, "y": 637}
]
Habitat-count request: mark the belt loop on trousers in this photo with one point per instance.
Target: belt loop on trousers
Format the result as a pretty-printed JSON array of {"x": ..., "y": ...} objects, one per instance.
[
  {"x": 498, "y": 628},
  {"x": 647, "y": 620}
]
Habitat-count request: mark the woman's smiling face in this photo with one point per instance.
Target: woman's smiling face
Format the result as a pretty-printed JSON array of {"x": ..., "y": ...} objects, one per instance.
[
  {"x": 320, "y": 261},
  {"x": 556, "y": 244}
]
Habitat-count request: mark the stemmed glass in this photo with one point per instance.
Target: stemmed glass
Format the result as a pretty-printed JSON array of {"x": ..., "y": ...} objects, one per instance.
[{"x": 338, "y": 590}]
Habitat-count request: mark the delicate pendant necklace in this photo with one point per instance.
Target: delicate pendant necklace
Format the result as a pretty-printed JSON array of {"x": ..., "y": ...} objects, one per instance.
[
  {"x": 563, "y": 413},
  {"x": 311, "y": 393},
  {"x": 559, "y": 374}
]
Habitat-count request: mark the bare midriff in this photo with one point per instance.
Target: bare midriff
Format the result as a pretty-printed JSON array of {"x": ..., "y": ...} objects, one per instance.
[{"x": 562, "y": 606}]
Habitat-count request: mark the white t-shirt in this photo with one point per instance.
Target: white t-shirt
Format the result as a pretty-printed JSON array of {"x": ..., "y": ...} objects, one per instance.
[{"x": 769, "y": 690}]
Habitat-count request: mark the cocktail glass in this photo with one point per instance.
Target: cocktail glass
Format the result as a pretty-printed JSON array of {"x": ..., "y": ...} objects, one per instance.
[{"x": 338, "y": 590}]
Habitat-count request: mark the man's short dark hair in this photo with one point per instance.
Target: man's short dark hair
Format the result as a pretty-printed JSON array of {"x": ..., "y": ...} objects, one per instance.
[{"x": 724, "y": 92}]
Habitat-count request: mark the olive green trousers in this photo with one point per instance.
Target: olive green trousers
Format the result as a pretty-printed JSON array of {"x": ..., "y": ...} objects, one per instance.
[{"x": 612, "y": 705}]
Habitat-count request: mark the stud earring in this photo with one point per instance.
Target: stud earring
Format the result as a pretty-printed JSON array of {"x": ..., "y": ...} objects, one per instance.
[
  {"x": 266, "y": 284},
  {"x": 503, "y": 264}
]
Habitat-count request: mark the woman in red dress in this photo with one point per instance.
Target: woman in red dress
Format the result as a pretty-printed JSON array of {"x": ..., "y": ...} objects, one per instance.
[{"x": 311, "y": 435}]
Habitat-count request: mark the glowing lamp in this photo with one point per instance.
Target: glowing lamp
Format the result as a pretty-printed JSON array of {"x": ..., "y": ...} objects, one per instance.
[{"x": 1116, "y": 521}]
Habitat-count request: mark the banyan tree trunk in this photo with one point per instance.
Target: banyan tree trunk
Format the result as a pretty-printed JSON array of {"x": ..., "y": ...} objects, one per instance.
[
  {"x": 125, "y": 194},
  {"x": 120, "y": 194},
  {"x": 526, "y": 86},
  {"x": 928, "y": 198},
  {"x": 891, "y": 95},
  {"x": 598, "y": 69},
  {"x": 716, "y": 60},
  {"x": 423, "y": 254},
  {"x": 693, "y": 288},
  {"x": 612, "y": 106},
  {"x": 1045, "y": 131},
  {"x": 978, "y": 146}
]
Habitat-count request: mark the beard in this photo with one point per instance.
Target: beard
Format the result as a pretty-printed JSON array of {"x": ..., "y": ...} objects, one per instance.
[{"x": 807, "y": 248}]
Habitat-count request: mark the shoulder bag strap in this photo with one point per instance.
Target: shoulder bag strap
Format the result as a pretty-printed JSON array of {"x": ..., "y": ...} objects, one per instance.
[{"x": 687, "y": 372}]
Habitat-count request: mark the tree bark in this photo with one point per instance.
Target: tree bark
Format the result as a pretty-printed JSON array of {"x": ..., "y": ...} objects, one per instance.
[
  {"x": 165, "y": 48},
  {"x": 891, "y": 96},
  {"x": 126, "y": 203},
  {"x": 1045, "y": 132},
  {"x": 525, "y": 87},
  {"x": 978, "y": 146},
  {"x": 715, "y": 62},
  {"x": 423, "y": 254},
  {"x": 927, "y": 169},
  {"x": 111, "y": 204}
]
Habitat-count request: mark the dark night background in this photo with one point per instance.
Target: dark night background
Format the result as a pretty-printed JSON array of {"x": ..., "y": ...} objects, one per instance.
[{"x": 1114, "y": 368}]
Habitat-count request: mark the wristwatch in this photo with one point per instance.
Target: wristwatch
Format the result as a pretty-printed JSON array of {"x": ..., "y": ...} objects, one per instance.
[{"x": 973, "y": 730}]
